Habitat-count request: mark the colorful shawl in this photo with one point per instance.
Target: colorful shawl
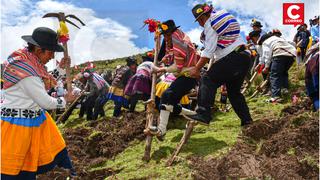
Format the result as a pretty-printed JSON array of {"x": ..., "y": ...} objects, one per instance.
[
  {"x": 22, "y": 64},
  {"x": 183, "y": 51},
  {"x": 145, "y": 69},
  {"x": 99, "y": 81}
]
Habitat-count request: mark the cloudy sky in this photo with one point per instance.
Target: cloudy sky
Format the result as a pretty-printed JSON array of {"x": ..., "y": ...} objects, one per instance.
[{"x": 113, "y": 27}]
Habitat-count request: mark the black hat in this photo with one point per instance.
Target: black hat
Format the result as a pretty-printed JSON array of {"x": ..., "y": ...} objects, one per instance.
[
  {"x": 44, "y": 38},
  {"x": 169, "y": 25},
  {"x": 200, "y": 9},
  {"x": 146, "y": 58},
  {"x": 256, "y": 23},
  {"x": 131, "y": 61},
  {"x": 302, "y": 25}
]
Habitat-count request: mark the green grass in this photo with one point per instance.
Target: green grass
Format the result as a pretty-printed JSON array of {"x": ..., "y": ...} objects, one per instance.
[
  {"x": 311, "y": 161},
  {"x": 259, "y": 146},
  {"x": 94, "y": 134},
  {"x": 291, "y": 151},
  {"x": 205, "y": 141},
  {"x": 260, "y": 109},
  {"x": 103, "y": 65},
  {"x": 212, "y": 141}
]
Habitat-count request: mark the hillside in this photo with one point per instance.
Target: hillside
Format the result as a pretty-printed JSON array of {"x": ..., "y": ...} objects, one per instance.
[
  {"x": 103, "y": 65},
  {"x": 281, "y": 144}
]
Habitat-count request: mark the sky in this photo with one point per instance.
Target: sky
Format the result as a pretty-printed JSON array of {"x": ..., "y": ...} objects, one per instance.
[{"x": 113, "y": 27}]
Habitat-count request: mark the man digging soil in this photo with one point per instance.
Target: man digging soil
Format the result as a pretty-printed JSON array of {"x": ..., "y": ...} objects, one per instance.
[{"x": 230, "y": 66}]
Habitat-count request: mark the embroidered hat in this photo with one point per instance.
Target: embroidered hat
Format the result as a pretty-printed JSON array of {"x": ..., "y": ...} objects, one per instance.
[
  {"x": 200, "y": 9},
  {"x": 168, "y": 26}
]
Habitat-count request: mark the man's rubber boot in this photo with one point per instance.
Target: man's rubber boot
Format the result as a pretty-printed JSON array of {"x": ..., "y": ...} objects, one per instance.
[{"x": 199, "y": 118}]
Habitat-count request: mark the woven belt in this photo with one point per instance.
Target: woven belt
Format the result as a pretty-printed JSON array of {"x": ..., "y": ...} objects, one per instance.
[{"x": 19, "y": 113}]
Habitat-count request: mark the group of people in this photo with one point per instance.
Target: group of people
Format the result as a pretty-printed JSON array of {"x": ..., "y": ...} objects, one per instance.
[
  {"x": 274, "y": 55},
  {"x": 304, "y": 38},
  {"x": 31, "y": 143}
]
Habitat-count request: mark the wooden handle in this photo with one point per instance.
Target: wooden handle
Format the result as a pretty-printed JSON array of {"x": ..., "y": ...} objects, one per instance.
[
  {"x": 66, "y": 55},
  {"x": 151, "y": 102}
]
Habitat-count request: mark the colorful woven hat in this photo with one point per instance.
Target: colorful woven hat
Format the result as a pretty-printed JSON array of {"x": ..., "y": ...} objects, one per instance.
[
  {"x": 200, "y": 9},
  {"x": 168, "y": 26}
]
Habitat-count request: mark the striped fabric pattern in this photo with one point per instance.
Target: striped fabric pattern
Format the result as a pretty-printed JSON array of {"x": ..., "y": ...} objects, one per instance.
[
  {"x": 99, "y": 81},
  {"x": 184, "y": 52},
  {"x": 22, "y": 64},
  {"x": 226, "y": 26},
  {"x": 145, "y": 68}
]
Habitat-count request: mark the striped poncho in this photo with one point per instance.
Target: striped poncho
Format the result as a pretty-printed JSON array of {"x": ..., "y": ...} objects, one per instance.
[
  {"x": 182, "y": 53},
  {"x": 226, "y": 26}
]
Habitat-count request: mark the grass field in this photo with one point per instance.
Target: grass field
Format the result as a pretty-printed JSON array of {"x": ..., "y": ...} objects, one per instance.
[{"x": 211, "y": 141}]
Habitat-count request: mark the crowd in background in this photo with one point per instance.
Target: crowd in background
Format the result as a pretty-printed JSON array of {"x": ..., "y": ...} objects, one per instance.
[{"x": 271, "y": 55}]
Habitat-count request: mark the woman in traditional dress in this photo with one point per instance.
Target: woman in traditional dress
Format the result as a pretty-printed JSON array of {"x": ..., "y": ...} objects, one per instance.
[
  {"x": 31, "y": 143},
  {"x": 139, "y": 85},
  {"x": 181, "y": 53},
  {"x": 163, "y": 85},
  {"x": 116, "y": 90}
]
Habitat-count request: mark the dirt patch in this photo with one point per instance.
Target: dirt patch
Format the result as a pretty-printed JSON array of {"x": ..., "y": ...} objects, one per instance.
[
  {"x": 91, "y": 146},
  {"x": 264, "y": 129},
  {"x": 305, "y": 104},
  {"x": 284, "y": 148}
]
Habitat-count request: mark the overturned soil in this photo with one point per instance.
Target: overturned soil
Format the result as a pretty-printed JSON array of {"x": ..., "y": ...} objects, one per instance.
[
  {"x": 92, "y": 145},
  {"x": 284, "y": 148}
]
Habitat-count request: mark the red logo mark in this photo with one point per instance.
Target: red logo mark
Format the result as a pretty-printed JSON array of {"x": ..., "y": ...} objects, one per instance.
[{"x": 293, "y": 13}]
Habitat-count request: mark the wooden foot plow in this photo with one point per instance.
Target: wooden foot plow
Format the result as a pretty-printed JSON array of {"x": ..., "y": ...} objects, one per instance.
[
  {"x": 151, "y": 102},
  {"x": 186, "y": 136}
]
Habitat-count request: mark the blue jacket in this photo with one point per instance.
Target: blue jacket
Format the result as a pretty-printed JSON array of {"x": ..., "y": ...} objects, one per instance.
[{"x": 315, "y": 33}]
